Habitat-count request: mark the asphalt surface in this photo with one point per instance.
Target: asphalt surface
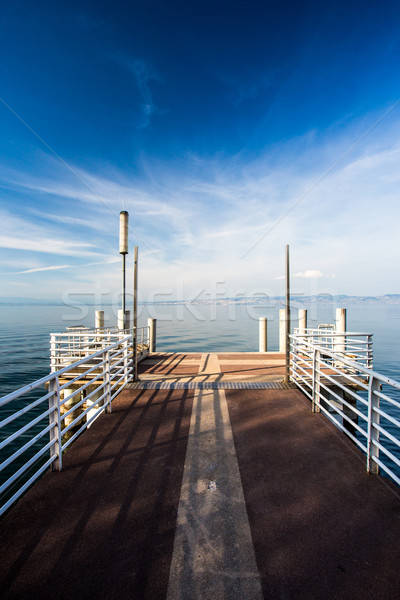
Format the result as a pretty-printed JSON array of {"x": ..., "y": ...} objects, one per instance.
[{"x": 104, "y": 526}]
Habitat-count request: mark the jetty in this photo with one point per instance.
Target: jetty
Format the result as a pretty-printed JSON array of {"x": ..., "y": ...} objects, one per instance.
[{"x": 206, "y": 475}]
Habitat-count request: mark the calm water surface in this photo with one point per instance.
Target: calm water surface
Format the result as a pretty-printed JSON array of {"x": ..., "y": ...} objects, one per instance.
[{"x": 24, "y": 332}]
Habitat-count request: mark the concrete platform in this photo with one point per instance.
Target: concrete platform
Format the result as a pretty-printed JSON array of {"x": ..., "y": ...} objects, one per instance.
[{"x": 192, "y": 493}]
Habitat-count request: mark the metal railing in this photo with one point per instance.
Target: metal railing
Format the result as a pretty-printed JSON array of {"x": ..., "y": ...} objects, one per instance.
[
  {"x": 36, "y": 427},
  {"x": 361, "y": 402},
  {"x": 77, "y": 343},
  {"x": 354, "y": 346}
]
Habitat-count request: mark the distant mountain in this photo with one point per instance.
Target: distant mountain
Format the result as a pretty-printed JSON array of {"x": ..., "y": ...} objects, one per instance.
[
  {"x": 257, "y": 300},
  {"x": 20, "y": 301}
]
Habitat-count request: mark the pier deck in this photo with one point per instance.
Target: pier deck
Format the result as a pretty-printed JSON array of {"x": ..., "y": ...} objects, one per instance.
[{"x": 193, "y": 492}]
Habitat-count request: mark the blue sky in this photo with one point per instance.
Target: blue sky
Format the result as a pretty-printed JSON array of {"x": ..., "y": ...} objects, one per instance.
[{"x": 226, "y": 129}]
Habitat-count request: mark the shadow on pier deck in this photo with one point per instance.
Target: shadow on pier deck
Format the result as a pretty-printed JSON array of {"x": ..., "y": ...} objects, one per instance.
[{"x": 196, "y": 491}]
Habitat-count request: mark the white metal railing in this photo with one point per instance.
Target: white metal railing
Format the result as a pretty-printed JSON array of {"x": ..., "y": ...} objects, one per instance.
[
  {"x": 361, "y": 402},
  {"x": 77, "y": 343},
  {"x": 36, "y": 427},
  {"x": 354, "y": 346}
]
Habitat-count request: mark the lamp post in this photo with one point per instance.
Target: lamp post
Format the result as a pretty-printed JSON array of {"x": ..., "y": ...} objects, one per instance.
[
  {"x": 287, "y": 319},
  {"x": 123, "y": 249},
  {"x": 135, "y": 278}
]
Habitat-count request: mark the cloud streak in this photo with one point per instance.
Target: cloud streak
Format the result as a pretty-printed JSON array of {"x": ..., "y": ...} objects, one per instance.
[
  {"x": 143, "y": 75},
  {"x": 249, "y": 89},
  {"x": 202, "y": 219},
  {"x": 39, "y": 269}
]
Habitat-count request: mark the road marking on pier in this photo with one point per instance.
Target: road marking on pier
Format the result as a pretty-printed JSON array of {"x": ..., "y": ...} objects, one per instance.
[{"x": 213, "y": 553}]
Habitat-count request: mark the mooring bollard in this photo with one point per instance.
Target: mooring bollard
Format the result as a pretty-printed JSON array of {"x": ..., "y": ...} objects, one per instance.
[
  {"x": 341, "y": 319},
  {"x": 99, "y": 323},
  {"x": 341, "y": 326},
  {"x": 152, "y": 324},
  {"x": 302, "y": 321},
  {"x": 262, "y": 334},
  {"x": 121, "y": 319},
  {"x": 99, "y": 319}
]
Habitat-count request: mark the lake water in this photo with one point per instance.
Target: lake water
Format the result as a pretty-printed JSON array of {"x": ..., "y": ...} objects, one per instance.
[{"x": 24, "y": 332}]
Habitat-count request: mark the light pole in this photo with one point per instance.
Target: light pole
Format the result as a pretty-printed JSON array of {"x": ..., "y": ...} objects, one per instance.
[
  {"x": 123, "y": 249},
  {"x": 135, "y": 278},
  {"x": 287, "y": 318}
]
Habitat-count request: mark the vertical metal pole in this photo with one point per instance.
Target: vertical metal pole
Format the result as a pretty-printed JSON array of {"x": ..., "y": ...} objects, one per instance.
[
  {"x": 295, "y": 355},
  {"x": 369, "y": 352},
  {"x": 287, "y": 319},
  {"x": 373, "y": 432},
  {"x": 126, "y": 360},
  {"x": 135, "y": 281},
  {"x": 107, "y": 380},
  {"x": 123, "y": 291},
  {"x": 55, "y": 420},
  {"x": 123, "y": 249},
  {"x": 53, "y": 367},
  {"x": 316, "y": 381}
]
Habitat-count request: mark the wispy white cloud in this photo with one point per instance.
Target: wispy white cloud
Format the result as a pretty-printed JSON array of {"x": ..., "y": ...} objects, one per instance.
[
  {"x": 28, "y": 236},
  {"x": 64, "y": 219},
  {"x": 202, "y": 217},
  {"x": 250, "y": 87},
  {"x": 311, "y": 274},
  {"x": 144, "y": 74},
  {"x": 38, "y": 269},
  {"x": 44, "y": 244},
  {"x": 108, "y": 261}
]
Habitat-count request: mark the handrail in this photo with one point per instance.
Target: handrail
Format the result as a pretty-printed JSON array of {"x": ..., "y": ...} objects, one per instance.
[
  {"x": 72, "y": 345},
  {"x": 355, "y": 345},
  {"x": 47, "y": 378},
  {"x": 350, "y": 395},
  {"x": 77, "y": 394}
]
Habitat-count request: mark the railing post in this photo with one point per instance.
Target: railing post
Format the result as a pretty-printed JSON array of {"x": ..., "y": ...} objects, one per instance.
[
  {"x": 107, "y": 380},
  {"x": 294, "y": 347},
  {"x": 54, "y": 417},
  {"x": 134, "y": 353},
  {"x": 126, "y": 361},
  {"x": 373, "y": 420},
  {"x": 53, "y": 367},
  {"x": 316, "y": 378},
  {"x": 369, "y": 352}
]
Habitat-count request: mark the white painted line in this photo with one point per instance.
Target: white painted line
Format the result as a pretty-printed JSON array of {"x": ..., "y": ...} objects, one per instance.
[{"x": 213, "y": 553}]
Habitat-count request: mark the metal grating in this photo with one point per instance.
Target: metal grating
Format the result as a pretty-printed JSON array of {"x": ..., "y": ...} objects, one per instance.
[{"x": 210, "y": 385}]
